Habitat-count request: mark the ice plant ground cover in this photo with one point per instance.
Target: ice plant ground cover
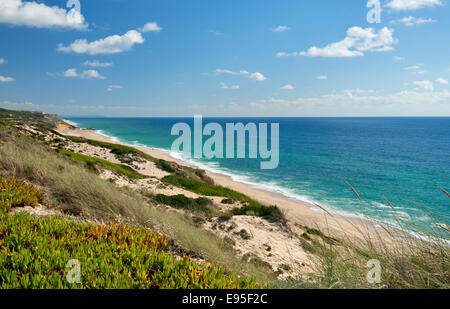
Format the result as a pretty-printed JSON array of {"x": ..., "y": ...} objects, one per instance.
[
  {"x": 16, "y": 193},
  {"x": 34, "y": 254}
]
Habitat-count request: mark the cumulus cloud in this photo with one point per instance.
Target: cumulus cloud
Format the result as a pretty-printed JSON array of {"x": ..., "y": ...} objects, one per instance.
[
  {"x": 87, "y": 74},
  {"x": 70, "y": 73},
  {"x": 411, "y": 21},
  {"x": 403, "y": 5},
  {"x": 424, "y": 85},
  {"x": 151, "y": 27},
  {"x": 285, "y": 54},
  {"x": 442, "y": 81},
  {"x": 287, "y": 87},
  {"x": 4, "y": 79},
  {"x": 225, "y": 86},
  {"x": 2, "y": 60},
  {"x": 97, "y": 64},
  {"x": 257, "y": 76},
  {"x": 322, "y": 77},
  {"x": 225, "y": 71},
  {"x": 112, "y": 87},
  {"x": 110, "y": 45},
  {"x": 281, "y": 28},
  {"x": 357, "y": 41},
  {"x": 39, "y": 15}
]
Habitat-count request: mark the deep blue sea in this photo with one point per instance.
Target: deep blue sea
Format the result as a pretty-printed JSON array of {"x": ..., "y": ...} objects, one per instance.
[{"x": 404, "y": 160}]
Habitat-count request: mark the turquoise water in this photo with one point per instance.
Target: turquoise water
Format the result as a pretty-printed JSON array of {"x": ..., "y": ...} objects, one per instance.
[{"x": 402, "y": 159}]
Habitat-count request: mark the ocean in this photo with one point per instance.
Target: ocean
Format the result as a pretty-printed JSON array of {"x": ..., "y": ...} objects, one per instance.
[{"x": 402, "y": 160}]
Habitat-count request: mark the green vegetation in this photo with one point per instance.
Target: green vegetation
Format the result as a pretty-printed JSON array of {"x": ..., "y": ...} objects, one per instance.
[
  {"x": 199, "y": 205},
  {"x": 5, "y": 113},
  {"x": 17, "y": 193},
  {"x": 253, "y": 208},
  {"x": 92, "y": 162},
  {"x": 34, "y": 254},
  {"x": 115, "y": 148}
]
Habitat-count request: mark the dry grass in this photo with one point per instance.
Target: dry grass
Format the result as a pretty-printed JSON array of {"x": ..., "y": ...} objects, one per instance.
[{"x": 407, "y": 261}]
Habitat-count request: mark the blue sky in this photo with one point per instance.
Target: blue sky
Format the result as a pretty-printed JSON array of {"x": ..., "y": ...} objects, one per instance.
[{"x": 225, "y": 58}]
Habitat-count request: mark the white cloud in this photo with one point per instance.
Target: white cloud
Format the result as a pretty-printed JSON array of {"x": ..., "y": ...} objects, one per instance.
[
  {"x": 97, "y": 64},
  {"x": 109, "y": 45},
  {"x": 398, "y": 58},
  {"x": 287, "y": 87},
  {"x": 357, "y": 41},
  {"x": 112, "y": 87},
  {"x": 39, "y": 15},
  {"x": 4, "y": 79},
  {"x": 403, "y": 5},
  {"x": 322, "y": 77},
  {"x": 258, "y": 77},
  {"x": 255, "y": 76},
  {"x": 359, "y": 102},
  {"x": 420, "y": 72},
  {"x": 411, "y": 21},
  {"x": 152, "y": 26},
  {"x": 423, "y": 85},
  {"x": 414, "y": 67},
  {"x": 70, "y": 73},
  {"x": 2, "y": 61},
  {"x": 225, "y": 86},
  {"x": 225, "y": 71},
  {"x": 90, "y": 74},
  {"x": 442, "y": 81},
  {"x": 281, "y": 28},
  {"x": 87, "y": 74}
]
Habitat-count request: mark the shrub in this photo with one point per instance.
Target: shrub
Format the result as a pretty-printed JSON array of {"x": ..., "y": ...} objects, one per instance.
[
  {"x": 272, "y": 213},
  {"x": 17, "y": 193},
  {"x": 91, "y": 162},
  {"x": 199, "y": 205}
]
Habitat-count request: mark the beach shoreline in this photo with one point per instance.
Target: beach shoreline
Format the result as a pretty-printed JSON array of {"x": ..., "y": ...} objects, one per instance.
[{"x": 296, "y": 211}]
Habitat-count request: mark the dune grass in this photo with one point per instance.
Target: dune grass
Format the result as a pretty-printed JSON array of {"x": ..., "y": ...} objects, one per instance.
[
  {"x": 117, "y": 149},
  {"x": 406, "y": 261},
  {"x": 92, "y": 162}
]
